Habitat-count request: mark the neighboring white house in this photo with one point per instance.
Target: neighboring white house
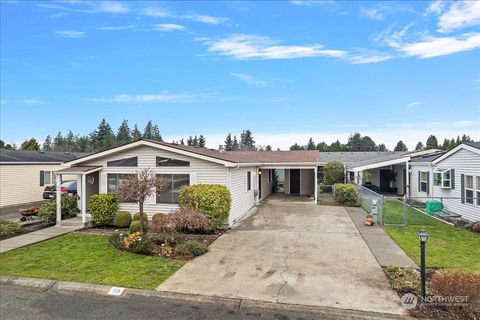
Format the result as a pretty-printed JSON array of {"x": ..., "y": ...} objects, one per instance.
[
  {"x": 249, "y": 175},
  {"x": 24, "y": 174},
  {"x": 453, "y": 177}
]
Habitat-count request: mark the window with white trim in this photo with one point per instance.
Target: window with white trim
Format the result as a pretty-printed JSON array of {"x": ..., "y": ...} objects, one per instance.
[
  {"x": 173, "y": 185},
  {"x": 469, "y": 189},
  {"x": 423, "y": 181},
  {"x": 447, "y": 178},
  {"x": 443, "y": 178},
  {"x": 248, "y": 176},
  {"x": 114, "y": 180},
  {"x": 477, "y": 187}
]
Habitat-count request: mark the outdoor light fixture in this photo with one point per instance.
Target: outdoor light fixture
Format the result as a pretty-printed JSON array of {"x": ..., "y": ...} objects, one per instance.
[{"x": 423, "y": 237}]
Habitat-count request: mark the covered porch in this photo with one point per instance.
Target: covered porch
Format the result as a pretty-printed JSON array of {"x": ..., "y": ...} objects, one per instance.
[{"x": 87, "y": 178}]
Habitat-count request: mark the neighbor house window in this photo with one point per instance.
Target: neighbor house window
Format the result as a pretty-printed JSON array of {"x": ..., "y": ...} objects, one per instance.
[
  {"x": 446, "y": 179},
  {"x": 249, "y": 180},
  {"x": 469, "y": 189},
  {"x": 169, "y": 162},
  {"x": 478, "y": 191},
  {"x": 127, "y": 162},
  {"x": 423, "y": 181},
  {"x": 114, "y": 181},
  {"x": 46, "y": 178},
  {"x": 437, "y": 178},
  {"x": 173, "y": 185}
]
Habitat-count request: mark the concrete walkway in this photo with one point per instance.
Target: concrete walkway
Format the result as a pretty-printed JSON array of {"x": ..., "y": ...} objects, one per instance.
[
  {"x": 293, "y": 253},
  {"x": 385, "y": 250},
  {"x": 36, "y": 236}
]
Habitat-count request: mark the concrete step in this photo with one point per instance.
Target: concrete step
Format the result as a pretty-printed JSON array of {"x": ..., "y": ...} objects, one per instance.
[{"x": 76, "y": 222}]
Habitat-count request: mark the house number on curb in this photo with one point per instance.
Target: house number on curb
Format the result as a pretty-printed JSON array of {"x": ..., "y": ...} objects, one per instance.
[{"x": 115, "y": 291}]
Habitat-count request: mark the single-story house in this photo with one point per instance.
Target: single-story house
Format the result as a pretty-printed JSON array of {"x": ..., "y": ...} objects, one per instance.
[
  {"x": 249, "y": 175},
  {"x": 453, "y": 177},
  {"x": 24, "y": 174}
]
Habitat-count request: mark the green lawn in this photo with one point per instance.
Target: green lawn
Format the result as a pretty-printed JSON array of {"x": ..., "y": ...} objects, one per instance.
[
  {"x": 447, "y": 246},
  {"x": 83, "y": 258}
]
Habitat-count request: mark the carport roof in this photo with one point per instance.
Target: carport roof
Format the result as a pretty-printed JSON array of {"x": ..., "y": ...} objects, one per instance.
[
  {"x": 349, "y": 158},
  {"x": 34, "y": 157}
]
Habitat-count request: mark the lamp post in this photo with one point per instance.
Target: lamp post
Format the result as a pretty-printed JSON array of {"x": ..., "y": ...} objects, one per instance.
[{"x": 423, "y": 236}]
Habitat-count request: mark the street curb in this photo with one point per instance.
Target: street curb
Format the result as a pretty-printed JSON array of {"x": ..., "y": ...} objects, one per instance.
[{"x": 234, "y": 304}]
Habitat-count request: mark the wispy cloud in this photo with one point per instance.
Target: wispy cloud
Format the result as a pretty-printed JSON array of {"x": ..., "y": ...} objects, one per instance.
[
  {"x": 414, "y": 104},
  {"x": 167, "y": 27},
  {"x": 159, "y": 12},
  {"x": 435, "y": 7},
  {"x": 459, "y": 15},
  {"x": 380, "y": 10},
  {"x": 70, "y": 33},
  {"x": 250, "y": 80},
  {"x": 118, "y": 28},
  {"x": 88, "y": 7},
  {"x": 162, "y": 97},
  {"x": 434, "y": 47},
  {"x": 32, "y": 101},
  {"x": 313, "y": 3}
]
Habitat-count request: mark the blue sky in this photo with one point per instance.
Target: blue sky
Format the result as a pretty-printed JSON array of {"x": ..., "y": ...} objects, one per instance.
[{"x": 287, "y": 70}]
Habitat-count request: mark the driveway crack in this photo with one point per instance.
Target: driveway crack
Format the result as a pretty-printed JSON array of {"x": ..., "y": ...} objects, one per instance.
[{"x": 283, "y": 275}]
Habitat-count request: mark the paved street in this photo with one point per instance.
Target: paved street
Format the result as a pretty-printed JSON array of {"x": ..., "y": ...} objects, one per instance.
[{"x": 28, "y": 303}]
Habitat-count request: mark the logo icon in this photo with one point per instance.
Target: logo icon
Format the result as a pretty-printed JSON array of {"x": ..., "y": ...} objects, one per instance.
[{"x": 409, "y": 301}]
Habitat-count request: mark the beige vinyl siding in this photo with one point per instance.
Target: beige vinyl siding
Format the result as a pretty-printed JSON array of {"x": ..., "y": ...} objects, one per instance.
[
  {"x": 307, "y": 184},
  {"x": 21, "y": 183},
  {"x": 242, "y": 200},
  {"x": 200, "y": 171},
  {"x": 463, "y": 162},
  {"x": 287, "y": 181},
  {"x": 267, "y": 186}
]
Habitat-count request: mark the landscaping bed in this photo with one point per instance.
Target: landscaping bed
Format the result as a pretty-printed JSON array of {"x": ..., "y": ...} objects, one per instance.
[{"x": 25, "y": 228}]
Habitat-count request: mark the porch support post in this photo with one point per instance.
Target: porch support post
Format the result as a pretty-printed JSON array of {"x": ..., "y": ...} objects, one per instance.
[
  {"x": 407, "y": 179},
  {"x": 84, "y": 198},
  {"x": 315, "y": 180},
  {"x": 257, "y": 201},
  {"x": 59, "y": 197}
]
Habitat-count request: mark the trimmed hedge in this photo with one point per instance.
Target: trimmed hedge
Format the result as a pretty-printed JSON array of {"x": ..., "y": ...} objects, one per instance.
[
  {"x": 136, "y": 217},
  {"x": 135, "y": 226},
  {"x": 122, "y": 219},
  {"x": 346, "y": 194},
  {"x": 102, "y": 207},
  {"x": 212, "y": 200}
]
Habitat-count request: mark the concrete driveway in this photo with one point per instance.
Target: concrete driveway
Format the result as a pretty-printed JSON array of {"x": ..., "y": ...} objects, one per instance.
[{"x": 296, "y": 253}]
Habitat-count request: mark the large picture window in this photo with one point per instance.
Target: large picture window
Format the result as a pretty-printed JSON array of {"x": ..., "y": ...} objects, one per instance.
[
  {"x": 423, "y": 181},
  {"x": 469, "y": 189},
  {"x": 171, "y": 191},
  {"x": 169, "y": 162},
  {"x": 127, "y": 162},
  {"x": 113, "y": 183}
]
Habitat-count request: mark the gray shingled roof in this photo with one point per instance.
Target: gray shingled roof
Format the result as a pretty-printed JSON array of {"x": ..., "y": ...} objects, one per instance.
[
  {"x": 349, "y": 158},
  {"x": 473, "y": 144},
  {"x": 428, "y": 157},
  {"x": 20, "y": 156}
]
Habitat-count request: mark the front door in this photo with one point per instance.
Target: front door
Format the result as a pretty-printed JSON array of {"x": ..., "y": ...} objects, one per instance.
[
  {"x": 294, "y": 181},
  {"x": 384, "y": 180}
]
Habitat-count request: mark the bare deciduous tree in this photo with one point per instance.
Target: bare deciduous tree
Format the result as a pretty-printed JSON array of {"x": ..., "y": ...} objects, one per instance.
[{"x": 138, "y": 187}]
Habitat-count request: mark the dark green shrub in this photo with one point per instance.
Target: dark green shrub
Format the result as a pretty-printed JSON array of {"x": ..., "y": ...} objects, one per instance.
[
  {"x": 334, "y": 172},
  {"x": 158, "y": 216},
  {"x": 190, "y": 247},
  {"x": 8, "y": 228},
  {"x": 102, "y": 207},
  {"x": 136, "y": 217},
  {"x": 122, "y": 219},
  {"x": 135, "y": 226},
  {"x": 116, "y": 240},
  {"x": 137, "y": 243},
  {"x": 212, "y": 200},
  {"x": 347, "y": 194},
  {"x": 48, "y": 211}
]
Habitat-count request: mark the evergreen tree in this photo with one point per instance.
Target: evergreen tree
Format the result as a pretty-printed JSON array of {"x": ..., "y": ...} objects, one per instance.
[
  {"x": 30, "y": 145},
  {"x": 382, "y": 147},
  {"x": 246, "y": 141},
  {"x": 190, "y": 141},
  {"x": 419, "y": 146},
  {"x": 156, "y": 133},
  {"x": 446, "y": 144},
  {"x": 123, "y": 133},
  {"x": 322, "y": 146},
  {"x": 268, "y": 148},
  {"x": 466, "y": 138},
  {"x": 296, "y": 146},
  {"x": 136, "y": 134},
  {"x": 458, "y": 141},
  {"x": 70, "y": 142},
  {"x": 336, "y": 146},
  {"x": 432, "y": 142},
  {"x": 84, "y": 144},
  {"x": 103, "y": 137},
  {"x": 354, "y": 142},
  {"x": 7, "y": 146},
  {"x": 235, "y": 145},
  {"x": 195, "y": 141},
  {"x": 202, "y": 142},
  {"x": 47, "y": 144},
  {"x": 311, "y": 145},
  {"x": 228, "y": 146},
  {"x": 453, "y": 144},
  {"x": 59, "y": 142},
  {"x": 367, "y": 144},
  {"x": 400, "y": 146},
  {"x": 182, "y": 141},
  {"x": 148, "y": 131}
]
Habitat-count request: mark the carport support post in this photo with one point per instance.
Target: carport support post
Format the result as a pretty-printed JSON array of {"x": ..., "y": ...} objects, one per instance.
[
  {"x": 59, "y": 198},
  {"x": 315, "y": 180},
  {"x": 84, "y": 198},
  {"x": 407, "y": 179}
]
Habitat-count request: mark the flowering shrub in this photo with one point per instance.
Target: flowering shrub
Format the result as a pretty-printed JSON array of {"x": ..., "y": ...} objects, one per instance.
[
  {"x": 137, "y": 243},
  {"x": 182, "y": 220}
]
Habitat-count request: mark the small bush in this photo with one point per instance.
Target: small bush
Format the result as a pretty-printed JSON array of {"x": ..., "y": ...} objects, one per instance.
[
  {"x": 8, "y": 228},
  {"x": 403, "y": 280},
  {"x": 102, "y": 207},
  {"x": 182, "y": 220},
  {"x": 122, "y": 219},
  {"x": 347, "y": 194},
  {"x": 450, "y": 282},
  {"x": 116, "y": 240},
  {"x": 476, "y": 227},
  {"x": 48, "y": 211},
  {"x": 135, "y": 226},
  {"x": 212, "y": 200},
  {"x": 137, "y": 243},
  {"x": 334, "y": 172},
  {"x": 190, "y": 247},
  {"x": 136, "y": 217},
  {"x": 158, "y": 216}
]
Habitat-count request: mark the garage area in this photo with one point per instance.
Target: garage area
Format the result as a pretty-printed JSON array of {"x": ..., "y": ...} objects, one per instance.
[{"x": 300, "y": 182}]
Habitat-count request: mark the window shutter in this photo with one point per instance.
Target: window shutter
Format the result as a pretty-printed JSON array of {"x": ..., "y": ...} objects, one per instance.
[
  {"x": 462, "y": 186},
  {"x": 42, "y": 178},
  {"x": 452, "y": 179},
  {"x": 419, "y": 183},
  {"x": 428, "y": 183}
]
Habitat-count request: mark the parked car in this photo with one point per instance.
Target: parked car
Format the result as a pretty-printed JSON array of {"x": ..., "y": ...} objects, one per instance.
[{"x": 69, "y": 187}]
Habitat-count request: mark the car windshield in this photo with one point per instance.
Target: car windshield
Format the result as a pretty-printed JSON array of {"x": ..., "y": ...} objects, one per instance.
[{"x": 70, "y": 184}]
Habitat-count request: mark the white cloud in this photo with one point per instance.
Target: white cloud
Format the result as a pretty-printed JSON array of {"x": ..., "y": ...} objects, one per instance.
[
  {"x": 312, "y": 3},
  {"x": 459, "y": 15},
  {"x": 245, "y": 47},
  {"x": 112, "y": 7},
  {"x": 434, "y": 47},
  {"x": 32, "y": 101},
  {"x": 249, "y": 80},
  {"x": 205, "y": 19},
  {"x": 166, "y": 27},
  {"x": 159, "y": 12},
  {"x": 372, "y": 13},
  {"x": 88, "y": 7},
  {"x": 156, "y": 12},
  {"x": 162, "y": 97},
  {"x": 70, "y": 33},
  {"x": 380, "y": 10},
  {"x": 362, "y": 56},
  {"x": 414, "y": 104},
  {"x": 435, "y": 7},
  {"x": 390, "y": 37},
  {"x": 118, "y": 28}
]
